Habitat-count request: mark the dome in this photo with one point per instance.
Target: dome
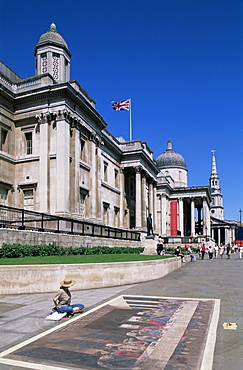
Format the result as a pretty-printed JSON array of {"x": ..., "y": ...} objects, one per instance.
[
  {"x": 52, "y": 36},
  {"x": 171, "y": 159}
]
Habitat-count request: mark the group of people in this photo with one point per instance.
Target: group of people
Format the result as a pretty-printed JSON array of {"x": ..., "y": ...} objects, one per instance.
[
  {"x": 218, "y": 251},
  {"x": 62, "y": 299},
  {"x": 178, "y": 253}
]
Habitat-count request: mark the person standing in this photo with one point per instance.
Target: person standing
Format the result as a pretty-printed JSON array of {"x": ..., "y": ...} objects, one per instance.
[
  {"x": 241, "y": 251},
  {"x": 216, "y": 251},
  {"x": 203, "y": 251},
  {"x": 199, "y": 250},
  {"x": 160, "y": 246},
  {"x": 210, "y": 252},
  {"x": 221, "y": 251},
  {"x": 228, "y": 251},
  {"x": 62, "y": 299}
]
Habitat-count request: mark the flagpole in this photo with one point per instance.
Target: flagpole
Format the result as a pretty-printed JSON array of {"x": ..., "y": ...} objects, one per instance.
[{"x": 130, "y": 119}]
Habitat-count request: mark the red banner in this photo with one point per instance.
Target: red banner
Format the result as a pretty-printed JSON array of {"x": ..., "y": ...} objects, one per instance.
[{"x": 173, "y": 217}]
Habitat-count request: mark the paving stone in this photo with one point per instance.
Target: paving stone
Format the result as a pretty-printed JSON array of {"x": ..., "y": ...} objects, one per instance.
[{"x": 23, "y": 316}]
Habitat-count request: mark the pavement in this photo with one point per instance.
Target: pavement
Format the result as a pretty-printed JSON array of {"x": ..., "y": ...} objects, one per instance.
[{"x": 23, "y": 316}]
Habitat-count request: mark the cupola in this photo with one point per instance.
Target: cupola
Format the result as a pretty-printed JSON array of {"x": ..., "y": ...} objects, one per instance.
[
  {"x": 173, "y": 164},
  {"x": 52, "y": 55}
]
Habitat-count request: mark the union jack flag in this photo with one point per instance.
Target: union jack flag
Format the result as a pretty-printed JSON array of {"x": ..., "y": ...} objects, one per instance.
[{"x": 123, "y": 105}]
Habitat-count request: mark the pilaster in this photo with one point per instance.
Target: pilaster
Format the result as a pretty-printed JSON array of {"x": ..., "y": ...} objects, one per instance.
[
  {"x": 62, "y": 163},
  {"x": 44, "y": 164},
  {"x": 122, "y": 192},
  {"x": 144, "y": 200}
]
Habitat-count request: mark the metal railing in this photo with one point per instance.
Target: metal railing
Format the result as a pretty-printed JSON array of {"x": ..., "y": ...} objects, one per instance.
[
  {"x": 187, "y": 239},
  {"x": 22, "y": 219}
]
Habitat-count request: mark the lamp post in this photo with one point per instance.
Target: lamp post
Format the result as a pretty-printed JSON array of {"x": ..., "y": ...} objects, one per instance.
[
  {"x": 206, "y": 229},
  {"x": 240, "y": 211}
]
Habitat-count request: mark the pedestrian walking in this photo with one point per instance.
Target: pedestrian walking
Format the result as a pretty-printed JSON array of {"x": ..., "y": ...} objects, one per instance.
[
  {"x": 228, "y": 251},
  {"x": 216, "y": 251},
  {"x": 199, "y": 251},
  {"x": 160, "y": 246},
  {"x": 203, "y": 251},
  {"x": 210, "y": 252},
  {"x": 221, "y": 251},
  {"x": 241, "y": 252}
]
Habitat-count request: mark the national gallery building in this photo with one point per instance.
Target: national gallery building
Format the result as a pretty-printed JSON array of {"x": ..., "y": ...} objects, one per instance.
[{"x": 57, "y": 157}]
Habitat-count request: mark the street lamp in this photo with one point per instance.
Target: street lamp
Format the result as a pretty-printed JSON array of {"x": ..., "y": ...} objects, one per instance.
[
  {"x": 206, "y": 229},
  {"x": 240, "y": 211}
]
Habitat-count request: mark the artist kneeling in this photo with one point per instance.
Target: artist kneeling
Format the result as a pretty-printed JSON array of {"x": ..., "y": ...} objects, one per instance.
[{"x": 62, "y": 299}]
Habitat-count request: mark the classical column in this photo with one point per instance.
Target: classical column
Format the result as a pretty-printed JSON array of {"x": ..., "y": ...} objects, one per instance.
[
  {"x": 62, "y": 164},
  {"x": 138, "y": 220},
  {"x": 163, "y": 215},
  {"x": 219, "y": 238},
  {"x": 181, "y": 216},
  {"x": 206, "y": 218},
  {"x": 155, "y": 223},
  {"x": 144, "y": 200},
  {"x": 233, "y": 234},
  {"x": 192, "y": 217},
  {"x": 122, "y": 191},
  {"x": 150, "y": 198}
]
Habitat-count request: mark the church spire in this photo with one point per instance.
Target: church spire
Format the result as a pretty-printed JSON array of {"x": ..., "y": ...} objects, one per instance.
[
  {"x": 217, "y": 209},
  {"x": 214, "y": 179},
  {"x": 214, "y": 169}
]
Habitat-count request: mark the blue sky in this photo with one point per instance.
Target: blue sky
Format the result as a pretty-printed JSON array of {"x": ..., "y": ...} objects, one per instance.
[{"x": 179, "y": 60}]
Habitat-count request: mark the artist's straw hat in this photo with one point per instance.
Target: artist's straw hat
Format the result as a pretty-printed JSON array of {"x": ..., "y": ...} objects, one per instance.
[{"x": 66, "y": 283}]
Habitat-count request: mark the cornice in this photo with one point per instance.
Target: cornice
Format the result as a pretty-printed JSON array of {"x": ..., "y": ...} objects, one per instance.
[{"x": 109, "y": 187}]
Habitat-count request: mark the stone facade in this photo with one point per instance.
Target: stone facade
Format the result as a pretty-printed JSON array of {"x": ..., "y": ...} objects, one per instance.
[{"x": 57, "y": 156}]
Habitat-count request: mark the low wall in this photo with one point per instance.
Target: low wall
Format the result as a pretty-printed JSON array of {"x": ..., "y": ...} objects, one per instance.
[
  {"x": 45, "y": 278},
  {"x": 29, "y": 237}
]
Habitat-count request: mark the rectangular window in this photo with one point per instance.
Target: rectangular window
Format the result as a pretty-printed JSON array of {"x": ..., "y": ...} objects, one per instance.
[
  {"x": 3, "y": 140},
  {"x": 105, "y": 213},
  {"x": 82, "y": 205},
  {"x": 3, "y": 196},
  {"x": 82, "y": 154},
  {"x": 105, "y": 171},
  {"x": 132, "y": 187},
  {"x": 28, "y": 138},
  {"x": 29, "y": 199},
  {"x": 116, "y": 210},
  {"x": 116, "y": 178}
]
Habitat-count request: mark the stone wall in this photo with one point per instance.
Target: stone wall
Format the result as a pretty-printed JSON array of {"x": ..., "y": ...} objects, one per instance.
[
  {"x": 46, "y": 278},
  {"x": 27, "y": 237}
]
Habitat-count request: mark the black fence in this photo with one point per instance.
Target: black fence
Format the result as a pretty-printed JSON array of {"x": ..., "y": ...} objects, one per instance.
[{"x": 23, "y": 219}]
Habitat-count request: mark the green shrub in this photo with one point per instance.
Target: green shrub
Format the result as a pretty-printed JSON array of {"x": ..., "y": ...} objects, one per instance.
[{"x": 18, "y": 250}]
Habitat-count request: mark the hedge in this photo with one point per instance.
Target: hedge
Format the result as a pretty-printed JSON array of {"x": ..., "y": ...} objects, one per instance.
[{"x": 19, "y": 250}]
